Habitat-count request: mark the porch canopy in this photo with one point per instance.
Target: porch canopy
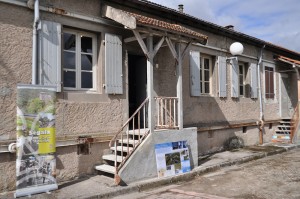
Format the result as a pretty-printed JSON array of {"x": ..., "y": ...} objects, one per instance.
[
  {"x": 295, "y": 63},
  {"x": 144, "y": 27}
]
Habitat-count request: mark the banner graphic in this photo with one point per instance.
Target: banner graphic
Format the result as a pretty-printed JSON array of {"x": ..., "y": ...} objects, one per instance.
[
  {"x": 172, "y": 158},
  {"x": 36, "y": 144}
]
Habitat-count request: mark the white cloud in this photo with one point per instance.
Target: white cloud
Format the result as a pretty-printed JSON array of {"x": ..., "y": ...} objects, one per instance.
[{"x": 273, "y": 21}]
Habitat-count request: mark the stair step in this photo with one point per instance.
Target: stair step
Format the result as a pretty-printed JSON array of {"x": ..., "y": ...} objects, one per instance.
[
  {"x": 130, "y": 141},
  {"x": 285, "y": 137},
  {"x": 112, "y": 157},
  {"x": 106, "y": 168},
  {"x": 286, "y": 130},
  {"x": 136, "y": 132},
  {"x": 285, "y": 122},
  {"x": 284, "y": 126},
  {"x": 119, "y": 148}
]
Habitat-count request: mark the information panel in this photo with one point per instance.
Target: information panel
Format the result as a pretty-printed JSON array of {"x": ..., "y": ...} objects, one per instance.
[
  {"x": 36, "y": 144},
  {"x": 172, "y": 158}
]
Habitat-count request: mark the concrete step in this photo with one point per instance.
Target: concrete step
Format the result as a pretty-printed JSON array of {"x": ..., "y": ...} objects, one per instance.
[
  {"x": 285, "y": 122},
  {"x": 136, "y": 132},
  {"x": 106, "y": 168},
  {"x": 112, "y": 157},
  {"x": 119, "y": 148},
  {"x": 130, "y": 141},
  {"x": 283, "y": 131},
  {"x": 284, "y": 126}
]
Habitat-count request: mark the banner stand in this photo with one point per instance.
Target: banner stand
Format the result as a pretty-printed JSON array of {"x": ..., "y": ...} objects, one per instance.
[{"x": 36, "y": 140}]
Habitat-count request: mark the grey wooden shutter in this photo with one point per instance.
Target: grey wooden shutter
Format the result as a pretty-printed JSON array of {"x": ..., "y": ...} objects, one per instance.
[
  {"x": 234, "y": 78},
  {"x": 254, "y": 80},
  {"x": 49, "y": 54},
  {"x": 222, "y": 72},
  {"x": 113, "y": 64},
  {"x": 195, "y": 84}
]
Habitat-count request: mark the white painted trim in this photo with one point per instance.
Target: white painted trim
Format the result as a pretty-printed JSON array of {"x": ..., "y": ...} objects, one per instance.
[{"x": 78, "y": 60}]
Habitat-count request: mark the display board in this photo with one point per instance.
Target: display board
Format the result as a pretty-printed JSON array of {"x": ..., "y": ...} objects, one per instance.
[
  {"x": 172, "y": 158},
  {"x": 36, "y": 143}
]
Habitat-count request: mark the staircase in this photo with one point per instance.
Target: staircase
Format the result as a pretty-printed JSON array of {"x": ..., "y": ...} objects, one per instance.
[
  {"x": 125, "y": 142},
  {"x": 283, "y": 132}
]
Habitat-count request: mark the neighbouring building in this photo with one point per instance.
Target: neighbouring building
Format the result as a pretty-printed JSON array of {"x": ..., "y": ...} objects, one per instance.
[{"x": 107, "y": 57}]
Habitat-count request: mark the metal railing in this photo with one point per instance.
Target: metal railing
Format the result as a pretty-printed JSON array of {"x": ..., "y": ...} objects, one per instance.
[
  {"x": 130, "y": 129},
  {"x": 294, "y": 123},
  {"x": 166, "y": 112}
]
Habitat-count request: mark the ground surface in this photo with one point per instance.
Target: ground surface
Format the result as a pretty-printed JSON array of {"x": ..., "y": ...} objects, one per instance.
[{"x": 273, "y": 177}]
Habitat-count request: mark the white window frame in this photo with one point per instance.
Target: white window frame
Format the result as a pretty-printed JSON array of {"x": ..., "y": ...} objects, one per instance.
[
  {"x": 267, "y": 64},
  {"x": 243, "y": 74},
  {"x": 202, "y": 74},
  {"x": 78, "y": 53}
]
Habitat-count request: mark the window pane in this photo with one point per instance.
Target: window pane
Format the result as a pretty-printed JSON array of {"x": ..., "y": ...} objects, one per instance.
[
  {"x": 206, "y": 63},
  {"x": 69, "y": 79},
  {"x": 86, "y": 62},
  {"x": 271, "y": 82},
  {"x": 69, "y": 41},
  {"x": 201, "y": 74},
  {"x": 241, "y": 79},
  {"x": 267, "y": 89},
  {"x": 86, "y": 80},
  {"x": 206, "y": 87},
  {"x": 241, "y": 90},
  {"x": 206, "y": 75},
  {"x": 240, "y": 69},
  {"x": 69, "y": 60},
  {"x": 86, "y": 44}
]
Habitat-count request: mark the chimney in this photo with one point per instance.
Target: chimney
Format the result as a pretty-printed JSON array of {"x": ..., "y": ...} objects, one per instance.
[
  {"x": 229, "y": 27},
  {"x": 180, "y": 8}
]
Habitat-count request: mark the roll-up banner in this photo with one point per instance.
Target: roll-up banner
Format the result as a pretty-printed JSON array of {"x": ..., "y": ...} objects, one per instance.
[{"x": 36, "y": 144}]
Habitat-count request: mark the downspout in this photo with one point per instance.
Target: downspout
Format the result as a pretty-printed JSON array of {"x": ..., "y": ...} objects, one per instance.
[
  {"x": 35, "y": 41},
  {"x": 261, "y": 110}
]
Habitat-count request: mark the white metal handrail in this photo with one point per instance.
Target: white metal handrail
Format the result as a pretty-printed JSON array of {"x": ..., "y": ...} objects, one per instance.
[{"x": 166, "y": 112}]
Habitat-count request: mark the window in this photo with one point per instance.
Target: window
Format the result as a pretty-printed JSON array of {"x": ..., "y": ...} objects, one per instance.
[
  {"x": 205, "y": 73},
  {"x": 79, "y": 58},
  {"x": 242, "y": 77},
  {"x": 269, "y": 83}
]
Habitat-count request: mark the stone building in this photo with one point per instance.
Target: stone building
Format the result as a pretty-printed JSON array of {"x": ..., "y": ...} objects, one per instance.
[{"x": 107, "y": 57}]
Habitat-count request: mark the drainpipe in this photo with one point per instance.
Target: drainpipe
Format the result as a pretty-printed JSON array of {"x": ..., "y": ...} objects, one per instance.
[
  {"x": 261, "y": 110},
  {"x": 35, "y": 41}
]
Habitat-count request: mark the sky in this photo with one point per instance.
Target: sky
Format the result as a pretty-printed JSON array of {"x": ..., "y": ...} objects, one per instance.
[{"x": 275, "y": 21}]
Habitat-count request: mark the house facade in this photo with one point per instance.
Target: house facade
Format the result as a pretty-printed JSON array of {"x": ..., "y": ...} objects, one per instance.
[{"x": 107, "y": 57}]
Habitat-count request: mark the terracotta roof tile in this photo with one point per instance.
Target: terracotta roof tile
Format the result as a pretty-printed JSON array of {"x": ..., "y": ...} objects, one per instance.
[
  {"x": 169, "y": 26},
  {"x": 293, "y": 61}
]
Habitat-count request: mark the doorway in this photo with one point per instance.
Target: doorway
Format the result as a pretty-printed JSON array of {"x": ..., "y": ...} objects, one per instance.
[
  {"x": 137, "y": 78},
  {"x": 285, "y": 99}
]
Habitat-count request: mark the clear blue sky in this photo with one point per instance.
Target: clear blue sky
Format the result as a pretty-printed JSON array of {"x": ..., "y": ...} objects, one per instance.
[{"x": 275, "y": 21}]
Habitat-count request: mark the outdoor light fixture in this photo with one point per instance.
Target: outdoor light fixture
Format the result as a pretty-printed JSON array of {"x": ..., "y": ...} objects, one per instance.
[{"x": 236, "y": 48}]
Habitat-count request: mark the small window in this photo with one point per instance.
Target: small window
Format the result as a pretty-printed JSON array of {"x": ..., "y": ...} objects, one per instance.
[
  {"x": 205, "y": 74},
  {"x": 269, "y": 83},
  {"x": 242, "y": 79},
  {"x": 79, "y": 55}
]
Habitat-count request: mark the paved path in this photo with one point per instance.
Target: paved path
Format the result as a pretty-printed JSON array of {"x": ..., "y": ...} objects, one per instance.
[{"x": 276, "y": 177}]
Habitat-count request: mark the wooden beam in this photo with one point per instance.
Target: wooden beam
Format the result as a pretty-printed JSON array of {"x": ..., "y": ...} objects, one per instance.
[
  {"x": 157, "y": 46},
  {"x": 131, "y": 39},
  {"x": 119, "y": 16},
  {"x": 186, "y": 49},
  {"x": 142, "y": 43},
  {"x": 171, "y": 46}
]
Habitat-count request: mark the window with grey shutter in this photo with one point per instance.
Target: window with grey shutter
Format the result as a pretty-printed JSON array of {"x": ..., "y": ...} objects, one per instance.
[
  {"x": 49, "y": 54},
  {"x": 234, "y": 78},
  {"x": 222, "y": 72},
  {"x": 254, "y": 80},
  {"x": 113, "y": 64},
  {"x": 195, "y": 73}
]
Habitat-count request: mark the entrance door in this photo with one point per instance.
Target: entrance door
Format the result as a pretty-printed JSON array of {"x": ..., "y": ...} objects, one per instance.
[
  {"x": 137, "y": 71},
  {"x": 285, "y": 99}
]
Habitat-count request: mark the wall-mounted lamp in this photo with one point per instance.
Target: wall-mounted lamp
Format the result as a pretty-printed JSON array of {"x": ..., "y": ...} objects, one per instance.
[{"x": 236, "y": 48}]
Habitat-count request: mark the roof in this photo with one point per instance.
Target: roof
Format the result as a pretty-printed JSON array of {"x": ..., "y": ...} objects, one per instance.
[
  {"x": 168, "y": 26},
  {"x": 288, "y": 60},
  {"x": 175, "y": 15}
]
